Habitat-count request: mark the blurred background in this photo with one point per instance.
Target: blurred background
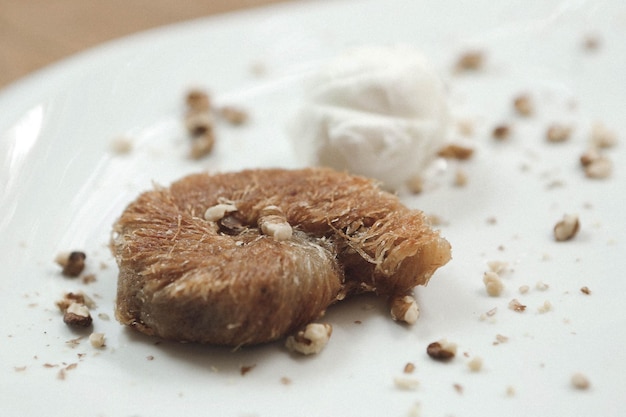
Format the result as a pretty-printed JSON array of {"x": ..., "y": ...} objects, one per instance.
[{"x": 35, "y": 33}]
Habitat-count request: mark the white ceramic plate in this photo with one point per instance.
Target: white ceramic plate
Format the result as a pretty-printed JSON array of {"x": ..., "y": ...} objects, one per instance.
[{"x": 62, "y": 187}]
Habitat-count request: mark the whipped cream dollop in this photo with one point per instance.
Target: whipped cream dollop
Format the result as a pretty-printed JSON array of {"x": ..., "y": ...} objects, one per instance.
[{"x": 376, "y": 111}]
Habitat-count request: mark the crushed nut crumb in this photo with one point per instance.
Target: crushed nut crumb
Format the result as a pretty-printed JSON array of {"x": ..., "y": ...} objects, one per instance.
[
  {"x": 523, "y": 105},
  {"x": 470, "y": 61},
  {"x": 218, "y": 211},
  {"x": 454, "y": 151},
  {"x": 501, "y": 132},
  {"x": 234, "y": 115},
  {"x": 89, "y": 278},
  {"x": 121, "y": 145},
  {"x": 542, "y": 286},
  {"x": 510, "y": 391},
  {"x": 580, "y": 381},
  {"x": 475, "y": 364},
  {"x": 311, "y": 340},
  {"x": 497, "y": 266},
  {"x": 585, "y": 290},
  {"x": 460, "y": 178},
  {"x": 567, "y": 228},
  {"x": 406, "y": 383},
  {"x": 598, "y": 168},
  {"x": 500, "y": 339},
  {"x": 73, "y": 263},
  {"x": 405, "y": 309},
  {"x": 465, "y": 127},
  {"x": 273, "y": 222},
  {"x": 493, "y": 283},
  {"x": 602, "y": 137},
  {"x": 458, "y": 388},
  {"x": 409, "y": 368},
  {"x": 245, "y": 369},
  {"x": 285, "y": 381},
  {"x": 97, "y": 340},
  {"x": 524, "y": 289},
  {"x": 198, "y": 100},
  {"x": 515, "y": 305},
  {"x": 545, "y": 307},
  {"x": 77, "y": 315},
  {"x": 415, "y": 184},
  {"x": 442, "y": 350},
  {"x": 557, "y": 133}
]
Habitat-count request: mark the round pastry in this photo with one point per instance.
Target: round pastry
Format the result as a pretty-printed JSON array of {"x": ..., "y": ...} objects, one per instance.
[{"x": 249, "y": 257}]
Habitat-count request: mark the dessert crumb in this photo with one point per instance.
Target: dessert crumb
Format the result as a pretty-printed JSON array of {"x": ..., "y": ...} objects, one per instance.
[
  {"x": 580, "y": 381},
  {"x": 475, "y": 364},
  {"x": 493, "y": 284},
  {"x": 121, "y": 145},
  {"x": 585, "y": 290},
  {"x": 406, "y": 383},
  {"x": 523, "y": 105},
  {"x": 455, "y": 151},
  {"x": 409, "y": 368},
  {"x": 524, "y": 289},
  {"x": 567, "y": 228},
  {"x": 557, "y": 133},
  {"x": 472, "y": 60},
  {"x": 515, "y": 305},
  {"x": 73, "y": 263},
  {"x": 442, "y": 350},
  {"x": 545, "y": 307},
  {"x": 245, "y": 369},
  {"x": 501, "y": 132}
]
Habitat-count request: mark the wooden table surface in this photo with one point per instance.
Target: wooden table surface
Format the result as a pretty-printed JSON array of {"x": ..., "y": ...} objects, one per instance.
[{"x": 35, "y": 33}]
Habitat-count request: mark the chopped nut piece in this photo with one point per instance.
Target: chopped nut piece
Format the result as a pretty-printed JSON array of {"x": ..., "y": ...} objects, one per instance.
[
  {"x": 198, "y": 100},
  {"x": 580, "y": 381},
  {"x": 541, "y": 286},
  {"x": 501, "y": 132},
  {"x": 453, "y": 151},
  {"x": 199, "y": 124},
  {"x": 545, "y": 307},
  {"x": 458, "y": 388},
  {"x": 475, "y": 364},
  {"x": 405, "y": 309},
  {"x": 591, "y": 42},
  {"x": 272, "y": 222},
  {"x": 585, "y": 290},
  {"x": 523, "y": 105},
  {"x": 245, "y": 369},
  {"x": 311, "y": 340},
  {"x": 121, "y": 145},
  {"x": 406, "y": 383},
  {"x": 285, "y": 381},
  {"x": 441, "y": 350},
  {"x": 73, "y": 263},
  {"x": 567, "y": 228},
  {"x": 460, "y": 178},
  {"x": 470, "y": 61},
  {"x": 587, "y": 158},
  {"x": 524, "y": 289},
  {"x": 89, "y": 278},
  {"x": 218, "y": 211},
  {"x": 602, "y": 137},
  {"x": 599, "y": 168},
  {"x": 497, "y": 266},
  {"x": 510, "y": 391},
  {"x": 409, "y": 368},
  {"x": 501, "y": 339},
  {"x": 234, "y": 115},
  {"x": 465, "y": 127},
  {"x": 515, "y": 305},
  {"x": 493, "y": 283},
  {"x": 558, "y": 133},
  {"x": 77, "y": 315},
  {"x": 415, "y": 184},
  {"x": 97, "y": 340}
]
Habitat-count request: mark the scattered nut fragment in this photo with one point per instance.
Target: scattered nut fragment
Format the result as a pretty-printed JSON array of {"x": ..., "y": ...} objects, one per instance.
[
  {"x": 234, "y": 115},
  {"x": 311, "y": 340},
  {"x": 588, "y": 157},
  {"x": 500, "y": 339},
  {"x": 475, "y": 364},
  {"x": 510, "y": 391},
  {"x": 541, "y": 286},
  {"x": 405, "y": 309},
  {"x": 523, "y": 105},
  {"x": 441, "y": 350},
  {"x": 497, "y": 266},
  {"x": 524, "y": 289},
  {"x": 557, "y": 133},
  {"x": 580, "y": 381},
  {"x": 493, "y": 283},
  {"x": 246, "y": 368},
  {"x": 501, "y": 132},
  {"x": 272, "y": 222},
  {"x": 602, "y": 137},
  {"x": 465, "y": 127},
  {"x": 217, "y": 212},
  {"x": 97, "y": 340},
  {"x": 406, "y": 383},
  {"x": 585, "y": 290},
  {"x": 73, "y": 263},
  {"x": 567, "y": 228},
  {"x": 545, "y": 307},
  {"x": 599, "y": 168},
  {"x": 591, "y": 42},
  {"x": 454, "y": 151},
  {"x": 470, "y": 61},
  {"x": 75, "y": 297},
  {"x": 415, "y": 184},
  {"x": 515, "y": 305},
  {"x": 77, "y": 315},
  {"x": 409, "y": 368},
  {"x": 198, "y": 124},
  {"x": 198, "y": 100},
  {"x": 460, "y": 178},
  {"x": 121, "y": 145}
]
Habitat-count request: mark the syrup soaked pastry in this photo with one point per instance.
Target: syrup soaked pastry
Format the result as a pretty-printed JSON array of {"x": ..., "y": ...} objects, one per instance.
[{"x": 245, "y": 258}]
